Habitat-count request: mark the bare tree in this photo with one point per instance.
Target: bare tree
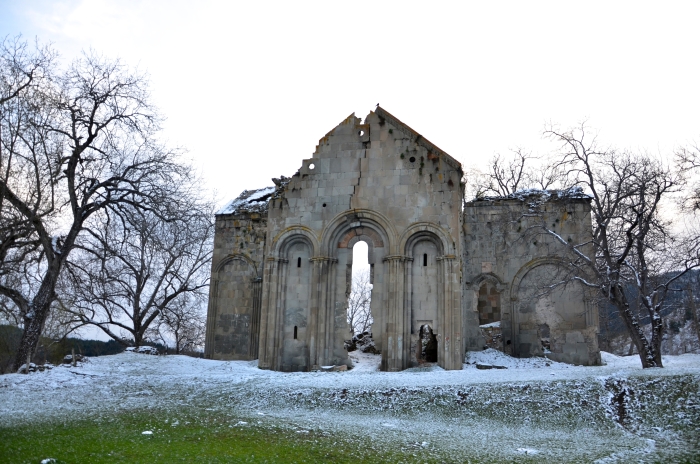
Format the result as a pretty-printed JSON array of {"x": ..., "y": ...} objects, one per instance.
[
  {"x": 137, "y": 272},
  {"x": 688, "y": 161},
  {"x": 507, "y": 175},
  {"x": 75, "y": 144},
  {"x": 635, "y": 249},
  {"x": 359, "y": 314},
  {"x": 183, "y": 324},
  {"x": 26, "y": 150}
]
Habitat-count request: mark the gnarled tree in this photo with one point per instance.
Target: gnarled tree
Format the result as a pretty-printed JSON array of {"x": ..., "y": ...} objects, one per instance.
[
  {"x": 73, "y": 144},
  {"x": 137, "y": 273},
  {"x": 638, "y": 252}
]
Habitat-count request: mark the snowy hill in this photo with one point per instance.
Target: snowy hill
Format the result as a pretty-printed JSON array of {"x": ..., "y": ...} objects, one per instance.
[{"x": 615, "y": 413}]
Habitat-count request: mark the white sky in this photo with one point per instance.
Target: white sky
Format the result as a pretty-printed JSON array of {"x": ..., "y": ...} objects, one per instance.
[{"x": 249, "y": 87}]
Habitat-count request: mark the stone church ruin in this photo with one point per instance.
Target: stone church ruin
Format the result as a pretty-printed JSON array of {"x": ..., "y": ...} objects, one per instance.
[{"x": 447, "y": 275}]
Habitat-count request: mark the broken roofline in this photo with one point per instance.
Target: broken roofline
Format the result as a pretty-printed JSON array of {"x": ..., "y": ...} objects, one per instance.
[
  {"x": 571, "y": 193},
  {"x": 250, "y": 201},
  {"x": 417, "y": 138}
]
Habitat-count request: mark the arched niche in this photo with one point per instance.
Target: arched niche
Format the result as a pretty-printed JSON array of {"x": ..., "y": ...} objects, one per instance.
[
  {"x": 552, "y": 314},
  {"x": 424, "y": 298},
  {"x": 426, "y": 231},
  {"x": 235, "y": 306},
  {"x": 491, "y": 309},
  {"x": 295, "y": 273},
  {"x": 290, "y": 236}
]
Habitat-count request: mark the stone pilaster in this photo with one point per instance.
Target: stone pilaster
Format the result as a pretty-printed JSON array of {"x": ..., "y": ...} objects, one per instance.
[{"x": 395, "y": 356}]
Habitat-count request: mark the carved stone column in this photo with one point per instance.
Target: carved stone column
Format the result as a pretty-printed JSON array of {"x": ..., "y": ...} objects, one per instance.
[
  {"x": 210, "y": 335},
  {"x": 273, "y": 282},
  {"x": 395, "y": 355},
  {"x": 257, "y": 285},
  {"x": 320, "y": 323},
  {"x": 450, "y": 354}
]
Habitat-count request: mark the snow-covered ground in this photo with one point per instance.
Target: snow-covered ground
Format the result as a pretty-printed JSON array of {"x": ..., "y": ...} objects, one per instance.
[{"x": 617, "y": 412}]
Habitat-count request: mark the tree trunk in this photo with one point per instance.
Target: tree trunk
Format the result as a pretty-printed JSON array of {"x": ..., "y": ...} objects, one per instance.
[
  {"x": 649, "y": 353},
  {"x": 657, "y": 330},
  {"x": 694, "y": 311},
  {"x": 34, "y": 322}
]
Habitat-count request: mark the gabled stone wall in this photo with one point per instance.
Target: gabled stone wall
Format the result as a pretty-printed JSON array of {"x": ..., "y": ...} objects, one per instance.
[
  {"x": 382, "y": 183},
  {"x": 283, "y": 255}
]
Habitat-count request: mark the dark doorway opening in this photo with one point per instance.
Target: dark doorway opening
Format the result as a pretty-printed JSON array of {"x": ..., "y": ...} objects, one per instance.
[{"x": 428, "y": 344}]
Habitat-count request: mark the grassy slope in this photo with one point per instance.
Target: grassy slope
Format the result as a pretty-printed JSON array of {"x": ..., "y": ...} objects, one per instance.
[{"x": 649, "y": 417}]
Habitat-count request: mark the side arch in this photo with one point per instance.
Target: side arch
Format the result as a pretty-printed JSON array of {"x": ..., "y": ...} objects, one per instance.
[
  {"x": 234, "y": 308},
  {"x": 426, "y": 231},
  {"x": 290, "y": 235},
  {"x": 487, "y": 277},
  {"x": 430, "y": 299},
  {"x": 558, "y": 322},
  {"x": 489, "y": 293},
  {"x": 234, "y": 256},
  {"x": 529, "y": 266}
]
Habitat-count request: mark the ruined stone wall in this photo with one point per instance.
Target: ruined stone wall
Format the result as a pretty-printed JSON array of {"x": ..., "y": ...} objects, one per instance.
[
  {"x": 233, "y": 321},
  {"x": 283, "y": 258},
  {"x": 506, "y": 263},
  {"x": 382, "y": 183}
]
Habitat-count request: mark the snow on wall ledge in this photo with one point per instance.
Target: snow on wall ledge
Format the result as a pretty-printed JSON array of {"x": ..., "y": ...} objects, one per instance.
[
  {"x": 575, "y": 192},
  {"x": 249, "y": 201}
]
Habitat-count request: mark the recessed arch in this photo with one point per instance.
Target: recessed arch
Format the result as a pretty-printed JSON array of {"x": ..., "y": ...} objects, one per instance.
[
  {"x": 235, "y": 306},
  {"x": 378, "y": 229},
  {"x": 425, "y": 231},
  {"x": 523, "y": 271},
  {"x": 236, "y": 256},
  {"x": 489, "y": 277},
  {"x": 558, "y": 321},
  {"x": 291, "y": 235}
]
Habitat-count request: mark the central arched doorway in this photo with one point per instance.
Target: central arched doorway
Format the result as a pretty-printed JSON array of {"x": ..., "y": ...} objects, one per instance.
[{"x": 359, "y": 290}]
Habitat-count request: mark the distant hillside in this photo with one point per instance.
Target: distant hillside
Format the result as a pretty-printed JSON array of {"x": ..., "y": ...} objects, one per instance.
[
  {"x": 677, "y": 314},
  {"x": 50, "y": 350}
]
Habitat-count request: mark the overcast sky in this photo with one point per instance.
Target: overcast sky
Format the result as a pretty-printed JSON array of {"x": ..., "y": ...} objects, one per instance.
[{"x": 249, "y": 87}]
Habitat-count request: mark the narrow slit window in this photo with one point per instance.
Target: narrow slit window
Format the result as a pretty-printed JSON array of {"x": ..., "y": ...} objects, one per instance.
[
  {"x": 295, "y": 329},
  {"x": 425, "y": 259},
  {"x": 298, "y": 265}
]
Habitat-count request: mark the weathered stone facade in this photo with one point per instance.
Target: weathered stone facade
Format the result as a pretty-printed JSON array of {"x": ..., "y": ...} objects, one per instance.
[
  {"x": 282, "y": 260},
  {"x": 505, "y": 267}
]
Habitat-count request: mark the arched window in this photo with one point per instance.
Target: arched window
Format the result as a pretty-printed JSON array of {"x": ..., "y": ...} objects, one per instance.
[
  {"x": 425, "y": 259},
  {"x": 298, "y": 265}
]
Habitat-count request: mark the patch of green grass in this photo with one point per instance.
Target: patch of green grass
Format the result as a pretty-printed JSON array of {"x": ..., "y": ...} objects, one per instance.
[{"x": 198, "y": 436}]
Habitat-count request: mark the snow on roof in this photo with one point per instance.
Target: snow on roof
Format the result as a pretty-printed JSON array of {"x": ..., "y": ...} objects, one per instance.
[
  {"x": 249, "y": 201},
  {"x": 575, "y": 192}
]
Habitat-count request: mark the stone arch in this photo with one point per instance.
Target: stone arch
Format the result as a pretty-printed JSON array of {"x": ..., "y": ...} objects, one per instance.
[
  {"x": 488, "y": 277},
  {"x": 559, "y": 323},
  {"x": 339, "y": 236},
  {"x": 529, "y": 266},
  {"x": 491, "y": 309},
  {"x": 375, "y": 226},
  {"x": 425, "y": 231},
  {"x": 295, "y": 251},
  {"x": 368, "y": 239},
  {"x": 237, "y": 256},
  {"x": 291, "y": 235},
  {"x": 235, "y": 302}
]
